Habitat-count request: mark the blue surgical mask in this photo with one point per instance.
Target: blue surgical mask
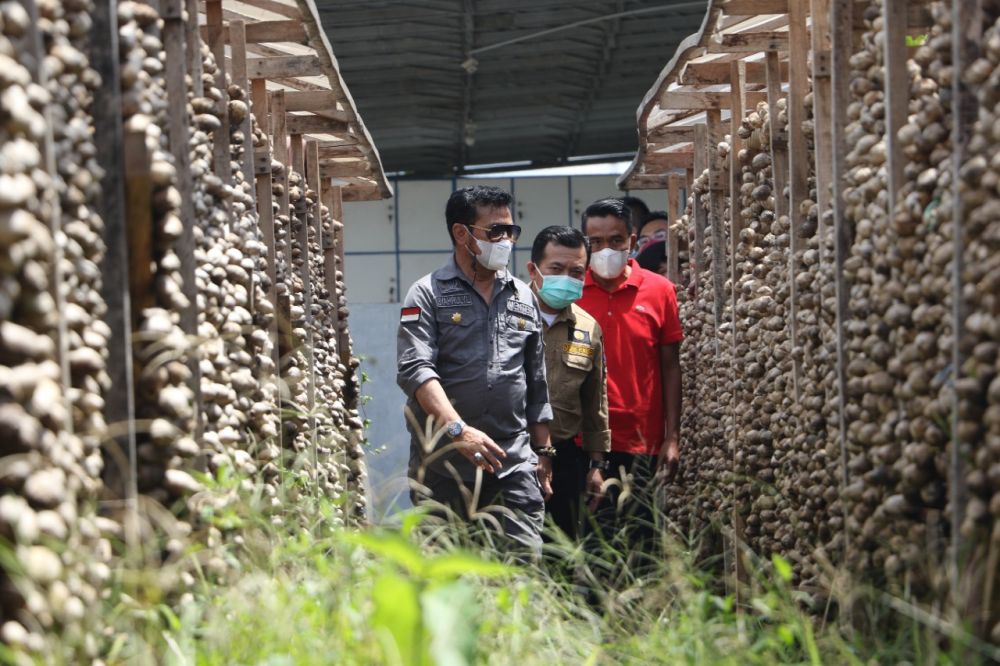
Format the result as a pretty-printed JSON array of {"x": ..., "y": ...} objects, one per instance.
[{"x": 559, "y": 291}]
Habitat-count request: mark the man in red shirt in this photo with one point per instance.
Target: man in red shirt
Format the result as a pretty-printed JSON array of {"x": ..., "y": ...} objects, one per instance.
[{"x": 637, "y": 310}]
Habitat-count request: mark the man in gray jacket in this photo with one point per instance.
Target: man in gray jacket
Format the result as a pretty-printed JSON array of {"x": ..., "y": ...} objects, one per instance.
[{"x": 471, "y": 362}]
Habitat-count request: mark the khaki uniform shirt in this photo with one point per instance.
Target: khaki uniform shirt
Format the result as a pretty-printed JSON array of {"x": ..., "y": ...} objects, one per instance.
[{"x": 577, "y": 379}]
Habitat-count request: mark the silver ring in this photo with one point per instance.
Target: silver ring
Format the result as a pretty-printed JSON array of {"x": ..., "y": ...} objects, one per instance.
[{"x": 477, "y": 456}]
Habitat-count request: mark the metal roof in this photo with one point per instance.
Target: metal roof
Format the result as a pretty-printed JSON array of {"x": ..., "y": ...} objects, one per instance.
[{"x": 442, "y": 86}]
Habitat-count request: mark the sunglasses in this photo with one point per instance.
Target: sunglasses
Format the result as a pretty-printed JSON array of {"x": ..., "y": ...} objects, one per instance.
[
  {"x": 495, "y": 232},
  {"x": 654, "y": 237}
]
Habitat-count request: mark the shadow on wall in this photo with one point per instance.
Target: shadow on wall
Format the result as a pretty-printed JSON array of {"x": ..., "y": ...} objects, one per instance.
[{"x": 373, "y": 327}]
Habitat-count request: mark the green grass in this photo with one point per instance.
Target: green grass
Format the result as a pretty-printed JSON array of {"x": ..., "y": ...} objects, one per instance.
[{"x": 307, "y": 592}]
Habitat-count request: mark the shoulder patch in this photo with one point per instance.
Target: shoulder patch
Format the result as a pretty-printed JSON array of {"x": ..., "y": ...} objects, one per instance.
[
  {"x": 407, "y": 315},
  {"x": 523, "y": 309},
  {"x": 454, "y": 301}
]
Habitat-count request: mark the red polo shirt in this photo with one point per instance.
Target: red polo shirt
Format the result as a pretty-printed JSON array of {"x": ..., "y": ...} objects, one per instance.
[{"x": 637, "y": 318}]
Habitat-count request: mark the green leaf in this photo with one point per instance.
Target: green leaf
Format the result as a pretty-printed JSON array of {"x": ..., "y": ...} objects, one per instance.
[
  {"x": 412, "y": 520},
  {"x": 450, "y": 614},
  {"x": 786, "y": 634},
  {"x": 782, "y": 567},
  {"x": 453, "y": 565},
  {"x": 392, "y": 546},
  {"x": 397, "y": 611}
]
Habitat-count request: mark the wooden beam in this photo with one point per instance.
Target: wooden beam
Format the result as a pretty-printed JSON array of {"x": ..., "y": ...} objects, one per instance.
[
  {"x": 698, "y": 100},
  {"x": 750, "y": 42},
  {"x": 667, "y": 134},
  {"x": 716, "y": 72},
  {"x": 798, "y": 164},
  {"x": 349, "y": 170},
  {"x": 897, "y": 93},
  {"x": 315, "y": 100},
  {"x": 667, "y": 161},
  {"x": 279, "y": 8},
  {"x": 284, "y": 66},
  {"x": 238, "y": 50},
  {"x": 754, "y": 7},
  {"x": 673, "y": 242},
  {"x": 279, "y": 130},
  {"x": 314, "y": 125},
  {"x": 346, "y": 150},
  {"x": 263, "y": 32},
  {"x": 822, "y": 100},
  {"x": 313, "y": 221}
]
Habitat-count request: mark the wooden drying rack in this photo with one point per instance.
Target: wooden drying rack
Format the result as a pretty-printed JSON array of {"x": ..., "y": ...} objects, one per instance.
[{"x": 752, "y": 50}]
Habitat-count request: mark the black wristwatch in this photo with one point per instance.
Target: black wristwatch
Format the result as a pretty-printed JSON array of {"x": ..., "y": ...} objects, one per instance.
[{"x": 602, "y": 465}]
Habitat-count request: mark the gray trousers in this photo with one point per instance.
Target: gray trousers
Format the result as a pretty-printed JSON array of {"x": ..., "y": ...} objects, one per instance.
[{"x": 514, "y": 501}]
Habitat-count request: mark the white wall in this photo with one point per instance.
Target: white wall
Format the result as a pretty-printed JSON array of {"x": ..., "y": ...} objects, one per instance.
[{"x": 390, "y": 244}]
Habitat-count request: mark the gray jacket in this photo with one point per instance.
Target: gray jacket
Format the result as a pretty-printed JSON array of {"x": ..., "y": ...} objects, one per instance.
[{"x": 489, "y": 358}]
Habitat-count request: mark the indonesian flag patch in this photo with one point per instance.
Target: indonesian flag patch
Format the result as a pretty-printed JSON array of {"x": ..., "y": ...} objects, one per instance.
[{"x": 408, "y": 315}]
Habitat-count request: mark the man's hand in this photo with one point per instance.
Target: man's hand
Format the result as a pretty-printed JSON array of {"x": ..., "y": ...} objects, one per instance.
[
  {"x": 668, "y": 461},
  {"x": 544, "y": 471},
  {"x": 473, "y": 441},
  {"x": 595, "y": 488}
]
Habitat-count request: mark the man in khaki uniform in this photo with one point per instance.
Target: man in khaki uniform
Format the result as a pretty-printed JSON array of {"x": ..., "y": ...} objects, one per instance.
[{"x": 574, "y": 364}]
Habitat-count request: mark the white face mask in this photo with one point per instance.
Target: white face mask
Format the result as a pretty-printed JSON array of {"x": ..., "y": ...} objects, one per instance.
[
  {"x": 493, "y": 256},
  {"x": 608, "y": 263}
]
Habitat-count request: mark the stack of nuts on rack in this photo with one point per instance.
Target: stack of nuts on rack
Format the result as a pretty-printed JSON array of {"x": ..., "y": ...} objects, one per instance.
[{"x": 210, "y": 401}]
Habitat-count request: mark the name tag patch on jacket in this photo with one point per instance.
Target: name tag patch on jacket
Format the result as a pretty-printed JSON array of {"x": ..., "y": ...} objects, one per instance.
[
  {"x": 578, "y": 349},
  {"x": 456, "y": 301},
  {"x": 407, "y": 315},
  {"x": 519, "y": 308}
]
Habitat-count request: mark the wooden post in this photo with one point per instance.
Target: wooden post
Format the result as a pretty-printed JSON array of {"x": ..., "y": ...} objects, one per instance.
[
  {"x": 798, "y": 165},
  {"x": 51, "y": 198},
  {"x": 279, "y": 120},
  {"x": 193, "y": 47},
  {"x": 779, "y": 139},
  {"x": 673, "y": 242},
  {"x": 967, "y": 25},
  {"x": 736, "y": 78},
  {"x": 119, "y": 398},
  {"x": 217, "y": 44},
  {"x": 842, "y": 21},
  {"x": 315, "y": 216},
  {"x": 265, "y": 210},
  {"x": 140, "y": 227},
  {"x": 700, "y": 215},
  {"x": 331, "y": 197},
  {"x": 343, "y": 336},
  {"x": 174, "y": 33},
  {"x": 238, "y": 50},
  {"x": 897, "y": 92},
  {"x": 822, "y": 109},
  {"x": 716, "y": 192}
]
